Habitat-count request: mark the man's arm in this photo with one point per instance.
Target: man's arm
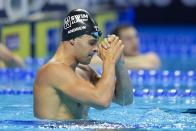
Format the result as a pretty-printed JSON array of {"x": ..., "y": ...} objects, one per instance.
[
  {"x": 123, "y": 90},
  {"x": 123, "y": 94},
  {"x": 99, "y": 95}
]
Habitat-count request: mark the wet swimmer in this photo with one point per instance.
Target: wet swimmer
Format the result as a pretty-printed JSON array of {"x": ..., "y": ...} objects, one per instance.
[{"x": 67, "y": 86}]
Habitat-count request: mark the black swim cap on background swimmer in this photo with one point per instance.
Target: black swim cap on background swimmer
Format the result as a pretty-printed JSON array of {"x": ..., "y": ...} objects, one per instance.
[{"x": 77, "y": 23}]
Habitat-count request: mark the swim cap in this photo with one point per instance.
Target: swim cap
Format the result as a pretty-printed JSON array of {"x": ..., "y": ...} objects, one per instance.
[{"x": 79, "y": 22}]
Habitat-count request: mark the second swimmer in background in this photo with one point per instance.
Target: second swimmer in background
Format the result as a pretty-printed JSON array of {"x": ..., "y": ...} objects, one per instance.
[{"x": 133, "y": 59}]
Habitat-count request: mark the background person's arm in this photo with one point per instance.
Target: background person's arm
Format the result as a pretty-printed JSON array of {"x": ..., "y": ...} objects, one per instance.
[
  {"x": 146, "y": 61},
  {"x": 9, "y": 58}
]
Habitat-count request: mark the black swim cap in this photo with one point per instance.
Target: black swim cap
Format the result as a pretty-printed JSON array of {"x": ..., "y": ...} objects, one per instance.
[{"x": 79, "y": 22}]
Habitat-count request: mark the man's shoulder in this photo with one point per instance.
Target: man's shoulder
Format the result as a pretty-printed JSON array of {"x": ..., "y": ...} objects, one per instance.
[
  {"x": 52, "y": 71},
  {"x": 48, "y": 68}
]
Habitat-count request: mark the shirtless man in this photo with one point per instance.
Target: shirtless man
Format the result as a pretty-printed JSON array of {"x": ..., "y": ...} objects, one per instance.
[
  {"x": 67, "y": 86},
  {"x": 133, "y": 58}
]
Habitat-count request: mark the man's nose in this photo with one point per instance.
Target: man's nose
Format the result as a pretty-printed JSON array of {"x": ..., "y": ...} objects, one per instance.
[{"x": 95, "y": 49}]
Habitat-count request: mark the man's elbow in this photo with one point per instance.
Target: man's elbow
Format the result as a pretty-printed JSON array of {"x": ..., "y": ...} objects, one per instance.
[
  {"x": 128, "y": 102},
  {"x": 125, "y": 102},
  {"x": 103, "y": 104}
]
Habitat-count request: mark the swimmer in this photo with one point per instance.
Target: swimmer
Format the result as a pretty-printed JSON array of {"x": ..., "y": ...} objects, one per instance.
[
  {"x": 8, "y": 59},
  {"x": 133, "y": 58},
  {"x": 67, "y": 86}
]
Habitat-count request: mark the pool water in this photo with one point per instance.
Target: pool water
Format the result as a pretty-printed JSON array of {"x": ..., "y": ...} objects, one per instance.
[
  {"x": 163, "y": 100},
  {"x": 16, "y": 112}
]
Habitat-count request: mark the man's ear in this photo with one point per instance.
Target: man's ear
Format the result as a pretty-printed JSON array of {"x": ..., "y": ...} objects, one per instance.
[{"x": 72, "y": 42}]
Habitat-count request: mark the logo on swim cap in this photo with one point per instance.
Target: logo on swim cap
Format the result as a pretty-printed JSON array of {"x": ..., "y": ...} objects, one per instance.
[
  {"x": 74, "y": 19},
  {"x": 67, "y": 22},
  {"x": 79, "y": 22},
  {"x": 79, "y": 18}
]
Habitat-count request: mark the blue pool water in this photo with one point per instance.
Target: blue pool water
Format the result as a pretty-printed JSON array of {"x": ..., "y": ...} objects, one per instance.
[
  {"x": 148, "y": 112},
  {"x": 164, "y": 99}
]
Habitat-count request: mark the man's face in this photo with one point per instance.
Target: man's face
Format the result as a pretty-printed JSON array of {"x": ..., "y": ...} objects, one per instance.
[
  {"x": 85, "y": 47},
  {"x": 130, "y": 39}
]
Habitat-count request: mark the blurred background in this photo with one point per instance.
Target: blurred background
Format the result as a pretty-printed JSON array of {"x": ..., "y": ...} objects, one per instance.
[{"x": 32, "y": 30}]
